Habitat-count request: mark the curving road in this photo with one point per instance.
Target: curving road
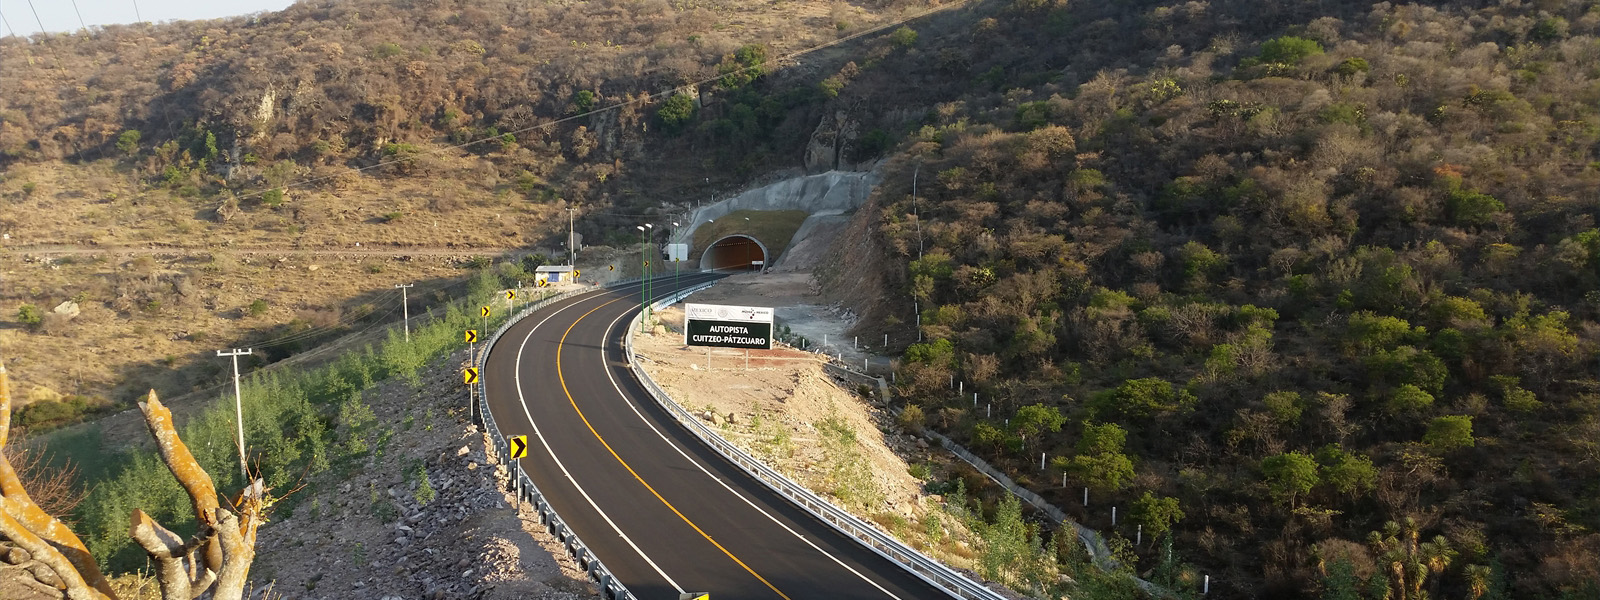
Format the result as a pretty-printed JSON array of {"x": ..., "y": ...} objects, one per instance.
[{"x": 665, "y": 513}]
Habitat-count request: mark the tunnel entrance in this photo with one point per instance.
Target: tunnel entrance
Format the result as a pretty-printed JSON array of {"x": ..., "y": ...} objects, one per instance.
[{"x": 735, "y": 252}]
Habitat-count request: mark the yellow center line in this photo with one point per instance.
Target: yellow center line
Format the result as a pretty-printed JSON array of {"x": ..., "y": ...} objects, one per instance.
[{"x": 563, "y": 379}]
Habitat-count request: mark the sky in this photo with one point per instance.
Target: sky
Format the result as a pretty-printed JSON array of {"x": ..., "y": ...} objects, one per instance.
[{"x": 58, "y": 15}]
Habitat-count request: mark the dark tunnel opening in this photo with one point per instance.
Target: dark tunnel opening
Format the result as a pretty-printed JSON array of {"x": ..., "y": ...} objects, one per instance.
[{"x": 734, "y": 252}]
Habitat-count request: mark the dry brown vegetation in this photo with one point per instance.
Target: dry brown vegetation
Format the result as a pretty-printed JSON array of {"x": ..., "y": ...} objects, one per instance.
[
  {"x": 1311, "y": 282},
  {"x": 228, "y": 140},
  {"x": 1314, "y": 281}
]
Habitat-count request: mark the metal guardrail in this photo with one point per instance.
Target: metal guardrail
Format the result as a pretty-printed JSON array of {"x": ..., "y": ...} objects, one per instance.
[
  {"x": 523, "y": 486},
  {"x": 914, "y": 562}
]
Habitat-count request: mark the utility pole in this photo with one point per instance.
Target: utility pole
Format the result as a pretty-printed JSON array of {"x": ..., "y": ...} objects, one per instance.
[
  {"x": 238, "y": 405},
  {"x": 405, "y": 306}
]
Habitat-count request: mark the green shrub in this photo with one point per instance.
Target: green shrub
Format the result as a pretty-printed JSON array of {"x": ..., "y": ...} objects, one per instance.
[
  {"x": 258, "y": 307},
  {"x": 1285, "y": 406},
  {"x": 1449, "y": 433},
  {"x": 1349, "y": 113},
  {"x": 904, "y": 37},
  {"x": 743, "y": 66},
  {"x": 30, "y": 316},
  {"x": 128, "y": 142},
  {"x": 584, "y": 100},
  {"x": 1289, "y": 50},
  {"x": 1352, "y": 65},
  {"x": 937, "y": 352},
  {"x": 272, "y": 197},
  {"x": 1408, "y": 399},
  {"x": 387, "y": 50},
  {"x": 1199, "y": 261},
  {"x": 1139, "y": 398},
  {"x": 1549, "y": 29}
]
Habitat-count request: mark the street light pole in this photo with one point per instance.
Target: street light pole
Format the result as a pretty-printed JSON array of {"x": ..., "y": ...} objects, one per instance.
[
  {"x": 676, "y": 246},
  {"x": 238, "y": 405},
  {"x": 644, "y": 280}
]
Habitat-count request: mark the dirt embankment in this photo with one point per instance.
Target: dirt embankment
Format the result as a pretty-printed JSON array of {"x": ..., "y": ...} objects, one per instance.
[
  {"x": 373, "y": 533},
  {"x": 786, "y": 410}
]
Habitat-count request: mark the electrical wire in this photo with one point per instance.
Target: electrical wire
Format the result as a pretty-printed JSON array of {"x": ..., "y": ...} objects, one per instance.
[
  {"x": 36, "y": 18},
  {"x": 136, "y": 14},
  {"x": 7, "y": 23},
  {"x": 80, "y": 16},
  {"x": 639, "y": 100}
]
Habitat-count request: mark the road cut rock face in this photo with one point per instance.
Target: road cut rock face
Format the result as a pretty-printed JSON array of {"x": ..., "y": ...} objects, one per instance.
[{"x": 371, "y": 535}]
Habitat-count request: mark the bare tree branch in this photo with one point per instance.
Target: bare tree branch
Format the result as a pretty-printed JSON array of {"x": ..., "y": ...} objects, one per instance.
[
  {"x": 21, "y": 515},
  {"x": 190, "y": 474}
]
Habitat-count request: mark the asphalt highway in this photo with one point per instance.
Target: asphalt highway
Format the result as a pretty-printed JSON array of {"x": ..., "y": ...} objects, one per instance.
[{"x": 664, "y": 512}]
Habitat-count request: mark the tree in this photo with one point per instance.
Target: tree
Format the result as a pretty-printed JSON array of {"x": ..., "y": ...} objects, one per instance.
[
  {"x": 1157, "y": 513},
  {"x": 1100, "y": 462},
  {"x": 1449, "y": 433},
  {"x": 1289, "y": 475},
  {"x": 1035, "y": 419},
  {"x": 223, "y": 549},
  {"x": 676, "y": 112},
  {"x": 1350, "y": 474},
  {"x": 1102, "y": 472},
  {"x": 128, "y": 142},
  {"x": 986, "y": 434}
]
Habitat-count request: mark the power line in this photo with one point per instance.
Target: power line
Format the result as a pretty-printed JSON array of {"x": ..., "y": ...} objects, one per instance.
[
  {"x": 80, "y": 16},
  {"x": 638, "y": 100},
  {"x": 7, "y": 22},
  {"x": 36, "y": 17}
]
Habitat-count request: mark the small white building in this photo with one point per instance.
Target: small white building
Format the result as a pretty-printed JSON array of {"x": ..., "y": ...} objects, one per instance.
[{"x": 553, "y": 273}]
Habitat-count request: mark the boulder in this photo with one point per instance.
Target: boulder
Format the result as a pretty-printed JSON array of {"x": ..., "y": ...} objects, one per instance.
[{"x": 68, "y": 309}]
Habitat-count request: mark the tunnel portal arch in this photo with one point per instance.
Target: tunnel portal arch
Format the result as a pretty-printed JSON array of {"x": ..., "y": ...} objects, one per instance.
[{"x": 737, "y": 251}]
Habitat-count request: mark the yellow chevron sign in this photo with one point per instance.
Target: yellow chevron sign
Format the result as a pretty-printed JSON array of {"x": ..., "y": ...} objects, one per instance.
[
  {"x": 472, "y": 336},
  {"x": 483, "y": 312},
  {"x": 469, "y": 376},
  {"x": 519, "y": 445}
]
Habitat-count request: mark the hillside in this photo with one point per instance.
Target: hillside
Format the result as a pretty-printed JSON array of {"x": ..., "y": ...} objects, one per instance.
[
  {"x": 1311, "y": 284},
  {"x": 264, "y": 181}
]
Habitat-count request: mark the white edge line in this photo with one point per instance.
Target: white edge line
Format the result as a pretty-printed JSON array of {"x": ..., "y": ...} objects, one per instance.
[
  {"x": 517, "y": 371},
  {"x": 719, "y": 481}
]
